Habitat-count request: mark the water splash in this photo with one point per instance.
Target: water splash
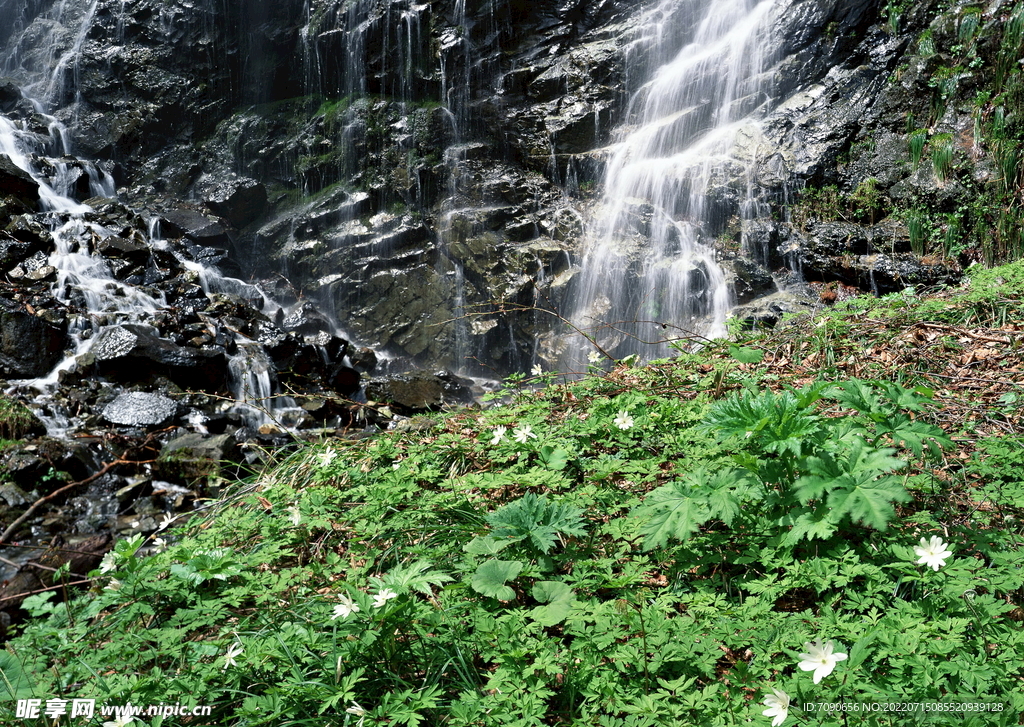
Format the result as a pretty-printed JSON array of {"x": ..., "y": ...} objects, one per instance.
[{"x": 647, "y": 274}]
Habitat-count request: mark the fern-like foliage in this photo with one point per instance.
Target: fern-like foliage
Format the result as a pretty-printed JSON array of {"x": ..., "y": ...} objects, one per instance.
[
  {"x": 415, "y": 576},
  {"x": 537, "y": 521},
  {"x": 854, "y": 484},
  {"x": 775, "y": 422},
  {"x": 677, "y": 510},
  {"x": 886, "y": 415}
]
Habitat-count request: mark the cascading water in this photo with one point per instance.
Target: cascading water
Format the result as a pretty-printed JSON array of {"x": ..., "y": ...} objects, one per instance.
[{"x": 648, "y": 274}]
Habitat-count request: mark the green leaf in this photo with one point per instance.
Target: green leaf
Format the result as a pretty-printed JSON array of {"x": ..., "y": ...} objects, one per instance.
[
  {"x": 676, "y": 510},
  {"x": 746, "y": 355},
  {"x": 488, "y": 545},
  {"x": 553, "y": 458},
  {"x": 490, "y": 578},
  {"x": 537, "y": 520},
  {"x": 559, "y": 599},
  {"x": 810, "y": 525},
  {"x": 860, "y": 651},
  {"x": 14, "y": 682},
  {"x": 416, "y": 576}
]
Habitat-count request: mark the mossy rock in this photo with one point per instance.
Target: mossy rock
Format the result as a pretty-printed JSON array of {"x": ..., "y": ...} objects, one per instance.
[{"x": 17, "y": 422}]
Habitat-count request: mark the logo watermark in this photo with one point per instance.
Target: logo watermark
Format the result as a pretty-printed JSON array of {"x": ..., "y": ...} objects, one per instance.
[{"x": 53, "y": 708}]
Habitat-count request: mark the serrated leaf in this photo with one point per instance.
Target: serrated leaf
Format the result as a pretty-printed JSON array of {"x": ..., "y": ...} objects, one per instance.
[
  {"x": 537, "y": 520},
  {"x": 860, "y": 650},
  {"x": 415, "y": 576},
  {"x": 674, "y": 511},
  {"x": 490, "y": 578},
  {"x": 812, "y": 526},
  {"x": 550, "y": 591}
]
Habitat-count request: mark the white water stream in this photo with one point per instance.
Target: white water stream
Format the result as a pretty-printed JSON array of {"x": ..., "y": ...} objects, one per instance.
[{"x": 647, "y": 274}]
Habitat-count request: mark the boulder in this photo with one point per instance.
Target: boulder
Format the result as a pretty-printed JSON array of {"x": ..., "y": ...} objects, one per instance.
[
  {"x": 134, "y": 352},
  {"x": 140, "y": 409},
  {"x": 239, "y": 200},
  {"x": 17, "y": 183},
  {"x": 30, "y": 347},
  {"x": 420, "y": 391}
]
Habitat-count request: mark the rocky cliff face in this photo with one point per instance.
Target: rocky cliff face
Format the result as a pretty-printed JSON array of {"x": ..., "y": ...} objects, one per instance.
[
  {"x": 425, "y": 171},
  {"x": 414, "y": 184}
]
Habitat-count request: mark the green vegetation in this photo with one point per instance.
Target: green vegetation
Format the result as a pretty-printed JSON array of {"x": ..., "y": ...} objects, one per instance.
[
  {"x": 656, "y": 545},
  {"x": 16, "y": 421}
]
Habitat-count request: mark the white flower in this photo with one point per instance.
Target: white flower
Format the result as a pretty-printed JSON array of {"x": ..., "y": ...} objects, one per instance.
[
  {"x": 358, "y": 712},
  {"x": 593, "y": 357},
  {"x": 167, "y": 520},
  {"x": 345, "y": 608},
  {"x": 159, "y": 544},
  {"x": 934, "y": 553},
  {"x": 499, "y": 434},
  {"x": 820, "y": 659},
  {"x": 326, "y": 457},
  {"x": 623, "y": 421},
  {"x": 229, "y": 656},
  {"x": 114, "y": 585},
  {"x": 110, "y": 562},
  {"x": 383, "y": 597},
  {"x": 294, "y": 514},
  {"x": 537, "y": 370},
  {"x": 778, "y": 706},
  {"x": 524, "y": 434},
  {"x": 122, "y": 721}
]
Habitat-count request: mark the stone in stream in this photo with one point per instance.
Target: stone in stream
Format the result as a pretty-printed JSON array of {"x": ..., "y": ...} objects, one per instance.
[
  {"x": 29, "y": 346},
  {"x": 140, "y": 409},
  {"x": 17, "y": 183}
]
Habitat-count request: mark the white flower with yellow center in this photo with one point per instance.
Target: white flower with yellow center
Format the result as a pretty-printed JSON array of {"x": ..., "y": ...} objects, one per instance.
[
  {"x": 820, "y": 658},
  {"x": 623, "y": 421},
  {"x": 933, "y": 553},
  {"x": 345, "y": 608},
  {"x": 778, "y": 706}
]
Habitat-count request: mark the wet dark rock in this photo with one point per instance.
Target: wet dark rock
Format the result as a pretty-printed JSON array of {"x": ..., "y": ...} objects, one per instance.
[
  {"x": 122, "y": 249},
  {"x": 192, "y": 457},
  {"x": 27, "y": 229},
  {"x": 17, "y": 183},
  {"x": 238, "y": 200},
  {"x": 140, "y": 409},
  {"x": 769, "y": 311},
  {"x": 747, "y": 279},
  {"x": 195, "y": 225},
  {"x": 364, "y": 359},
  {"x": 30, "y": 347},
  {"x": 13, "y": 251},
  {"x": 10, "y": 95},
  {"x": 134, "y": 352},
  {"x": 420, "y": 390}
]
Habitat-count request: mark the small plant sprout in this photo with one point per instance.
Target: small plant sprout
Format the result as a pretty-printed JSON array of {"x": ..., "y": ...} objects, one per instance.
[
  {"x": 524, "y": 434},
  {"x": 345, "y": 608},
  {"x": 820, "y": 658},
  {"x": 933, "y": 553},
  {"x": 110, "y": 562},
  {"x": 778, "y": 706},
  {"x": 623, "y": 421},
  {"x": 499, "y": 435},
  {"x": 229, "y": 656},
  {"x": 385, "y": 595},
  {"x": 294, "y": 514}
]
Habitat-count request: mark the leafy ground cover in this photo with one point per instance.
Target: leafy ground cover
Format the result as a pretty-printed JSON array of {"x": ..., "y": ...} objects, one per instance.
[{"x": 791, "y": 528}]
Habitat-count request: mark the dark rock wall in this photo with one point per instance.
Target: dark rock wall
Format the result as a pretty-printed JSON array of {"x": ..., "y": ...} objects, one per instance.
[{"x": 424, "y": 172}]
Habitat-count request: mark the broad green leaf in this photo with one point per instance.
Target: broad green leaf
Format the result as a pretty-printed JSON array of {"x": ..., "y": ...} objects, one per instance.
[
  {"x": 490, "y": 578},
  {"x": 812, "y": 526},
  {"x": 558, "y": 598},
  {"x": 746, "y": 355},
  {"x": 488, "y": 545},
  {"x": 14, "y": 682},
  {"x": 554, "y": 458}
]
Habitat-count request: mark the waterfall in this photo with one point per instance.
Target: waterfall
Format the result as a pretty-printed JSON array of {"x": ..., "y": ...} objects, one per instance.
[{"x": 648, "y": 273}]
